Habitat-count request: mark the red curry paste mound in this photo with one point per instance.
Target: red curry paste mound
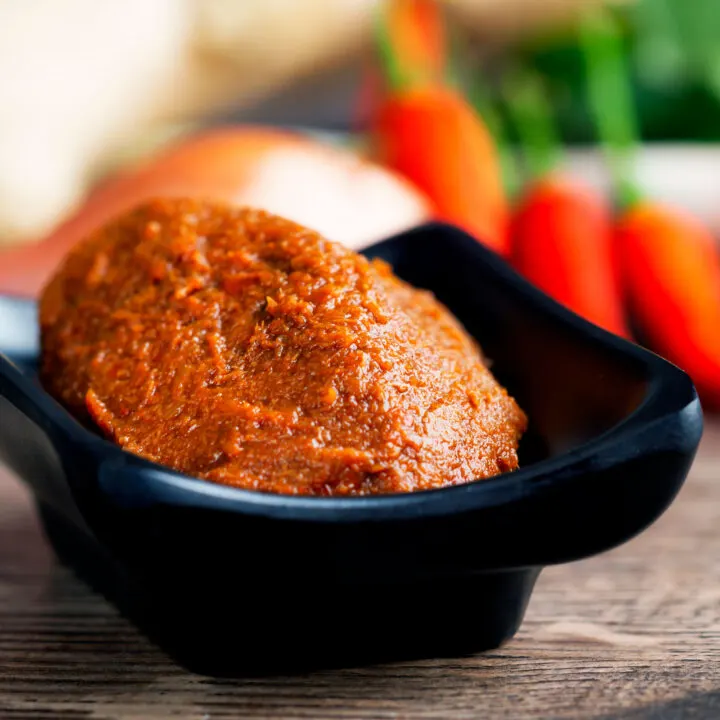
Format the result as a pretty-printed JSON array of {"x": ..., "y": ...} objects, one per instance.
[{"x": 242, "y": 348}]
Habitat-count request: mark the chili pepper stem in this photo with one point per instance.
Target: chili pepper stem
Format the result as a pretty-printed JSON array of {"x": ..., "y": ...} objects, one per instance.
[
  {"x": 411, "y": 39},
  {"x": 388, "y": 59},
  {"x": 488, "y": 111},
  {"x": 610, "y": 100},
  {"x": 526, "y": 100}
]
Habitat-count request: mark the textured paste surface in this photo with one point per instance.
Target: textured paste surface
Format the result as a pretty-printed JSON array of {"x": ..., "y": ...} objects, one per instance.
[{"x": 239, "y": 347}]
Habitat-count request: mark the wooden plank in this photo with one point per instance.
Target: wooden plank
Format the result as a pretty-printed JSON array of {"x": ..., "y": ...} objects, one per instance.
[{"x": 634, "y": 633}]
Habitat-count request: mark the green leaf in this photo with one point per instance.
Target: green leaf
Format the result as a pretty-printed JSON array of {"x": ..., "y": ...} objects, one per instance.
[{"x": 697, "y": 25}]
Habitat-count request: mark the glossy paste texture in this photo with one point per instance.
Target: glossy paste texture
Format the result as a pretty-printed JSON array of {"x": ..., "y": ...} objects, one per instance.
[{"x": 239, "y": 347}]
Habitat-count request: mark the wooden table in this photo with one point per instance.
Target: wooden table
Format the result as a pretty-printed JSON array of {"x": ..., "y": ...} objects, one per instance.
[{"x": 634, "y": 633}]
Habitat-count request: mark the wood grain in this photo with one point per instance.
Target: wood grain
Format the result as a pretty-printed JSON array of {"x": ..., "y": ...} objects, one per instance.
[{"x": 634, "y": 633}]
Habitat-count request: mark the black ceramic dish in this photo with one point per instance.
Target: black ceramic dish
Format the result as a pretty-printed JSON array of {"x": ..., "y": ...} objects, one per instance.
[{"x": 232, "y": 580}]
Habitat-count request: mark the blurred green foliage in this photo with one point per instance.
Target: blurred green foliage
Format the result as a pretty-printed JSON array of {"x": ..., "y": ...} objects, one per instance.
[{"x": 673, "y": 53}]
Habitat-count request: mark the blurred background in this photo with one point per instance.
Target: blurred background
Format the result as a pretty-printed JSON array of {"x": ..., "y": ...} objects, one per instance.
[
  {"x": 301, "y": 107},
  {"x": 86, "y": 86}
]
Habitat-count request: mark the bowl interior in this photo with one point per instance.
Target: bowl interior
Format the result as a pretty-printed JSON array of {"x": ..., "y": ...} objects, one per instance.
[{"x": 574, "y": 381}]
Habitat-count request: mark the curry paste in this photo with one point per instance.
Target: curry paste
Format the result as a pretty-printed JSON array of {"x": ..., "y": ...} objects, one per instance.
[{"x": 239, "y": 347}]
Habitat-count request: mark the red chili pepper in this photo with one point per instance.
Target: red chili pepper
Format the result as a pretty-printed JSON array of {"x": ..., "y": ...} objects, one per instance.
[
  {"x": 562, "y": 232},
  {"x": 671, "y": 274},
  {"x": 668, "y": 260},
  {"x": 433, "y": 137},
  {"x": 429, "y": 132},
  {"x": 563, "y": 243},
  {"x": 413, "y": 45}
]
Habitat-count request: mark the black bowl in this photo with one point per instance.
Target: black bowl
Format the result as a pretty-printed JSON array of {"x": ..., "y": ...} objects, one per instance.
[{"x": 231, "y": 580}]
